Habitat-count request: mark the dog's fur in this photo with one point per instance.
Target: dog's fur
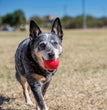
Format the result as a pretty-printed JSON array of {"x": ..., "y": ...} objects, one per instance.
[{"x": 30, "y": 70}]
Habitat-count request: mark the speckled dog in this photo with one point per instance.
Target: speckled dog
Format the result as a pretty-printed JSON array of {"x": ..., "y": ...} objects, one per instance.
[{"x": 30, "y": 70}]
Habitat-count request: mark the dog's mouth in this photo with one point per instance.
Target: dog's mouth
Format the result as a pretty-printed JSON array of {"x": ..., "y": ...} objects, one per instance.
[{"x": 51, "y": 64}]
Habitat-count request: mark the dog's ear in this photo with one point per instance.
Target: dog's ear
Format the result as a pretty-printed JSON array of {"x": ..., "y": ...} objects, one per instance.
[
  {"x": 57, "y": 28},
  {"x": 34, "y": 30}
]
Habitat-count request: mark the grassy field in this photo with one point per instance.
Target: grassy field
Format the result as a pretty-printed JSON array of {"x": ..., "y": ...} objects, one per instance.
[{"x": 81, "y": 80}]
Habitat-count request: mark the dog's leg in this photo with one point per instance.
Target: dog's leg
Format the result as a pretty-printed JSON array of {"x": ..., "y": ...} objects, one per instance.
[
  {"x": 44, "y": 89},
  {"x": 29, "y": 90},
  {"x": 36, "y": 89},
  {"x": 37, "y": 108},
  {"x": 25, "y": 90}
]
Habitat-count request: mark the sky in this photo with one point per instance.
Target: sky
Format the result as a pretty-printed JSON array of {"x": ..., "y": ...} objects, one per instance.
[{"x": 97, "y": 8}]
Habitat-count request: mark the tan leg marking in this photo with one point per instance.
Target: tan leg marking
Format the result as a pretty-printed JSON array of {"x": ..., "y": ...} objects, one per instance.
[
  {"x": 39, "y": 78},
  {"x": 25, "y": 91}
]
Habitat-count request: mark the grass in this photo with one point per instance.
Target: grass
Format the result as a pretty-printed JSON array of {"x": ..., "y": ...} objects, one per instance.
[{"x": 81, "y": 80}]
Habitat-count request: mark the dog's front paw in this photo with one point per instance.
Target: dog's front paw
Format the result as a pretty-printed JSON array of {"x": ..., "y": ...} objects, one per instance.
[
  {"x": 37, "y": 108},
  {"x": 46, "y": 108},
  {"x": 29, "y": 103}
]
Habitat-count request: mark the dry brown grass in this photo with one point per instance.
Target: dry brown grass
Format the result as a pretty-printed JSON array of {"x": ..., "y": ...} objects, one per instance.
[{"x": 81, "y": 80}]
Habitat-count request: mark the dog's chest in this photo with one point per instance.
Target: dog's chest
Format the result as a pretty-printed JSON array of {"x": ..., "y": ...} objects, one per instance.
[{"x": 40, "y": 78}]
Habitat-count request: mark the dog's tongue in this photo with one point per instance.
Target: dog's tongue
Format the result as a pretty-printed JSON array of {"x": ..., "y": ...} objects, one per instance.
[{"x": 51, "y": 64}]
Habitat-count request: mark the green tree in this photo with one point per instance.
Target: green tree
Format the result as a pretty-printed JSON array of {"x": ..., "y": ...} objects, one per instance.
[
  {"x": 14, "y": 19},
  {"x": 19, "y": 18},
  {"x": 0, "y": 20},
  {"x": 8, "y": 19},
  {"x": 104, "y": 20},
  {"x": 92, "y": 21},
  {"x": 78, "y": 21},
  {"x": 67, "y": 22}
]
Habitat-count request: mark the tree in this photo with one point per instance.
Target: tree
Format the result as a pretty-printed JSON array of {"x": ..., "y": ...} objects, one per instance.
[
  {"x": 19, "y": 18},
  {"x": 104, "y": 20},
  {"x": 78, "y": 21},
  {"x": 7, "y": 19},
  {"x": 14, "y": 19},
  {"x": 0, "y": 20},
  {"x": 67, "y": 22},
  {"x": 91, "y": 21}
]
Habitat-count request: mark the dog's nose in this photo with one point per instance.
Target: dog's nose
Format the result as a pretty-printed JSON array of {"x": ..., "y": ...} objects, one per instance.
[{"x": 51, "y": 55}]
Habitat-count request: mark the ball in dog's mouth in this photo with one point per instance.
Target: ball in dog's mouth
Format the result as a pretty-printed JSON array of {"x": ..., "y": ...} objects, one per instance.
[{"x": 51, "y": 64}]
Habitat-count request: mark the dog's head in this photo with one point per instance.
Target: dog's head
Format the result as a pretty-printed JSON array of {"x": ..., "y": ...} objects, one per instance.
[{"x": 46, "y": 46}]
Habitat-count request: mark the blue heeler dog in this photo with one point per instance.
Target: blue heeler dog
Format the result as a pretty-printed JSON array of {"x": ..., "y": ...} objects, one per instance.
[{"x": 29, "y": 61}]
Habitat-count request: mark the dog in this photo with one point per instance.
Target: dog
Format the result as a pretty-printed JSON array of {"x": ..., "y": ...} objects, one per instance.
[{"x": 29, "y": 61}]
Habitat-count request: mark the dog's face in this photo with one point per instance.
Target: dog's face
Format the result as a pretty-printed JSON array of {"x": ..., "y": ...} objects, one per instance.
[{"x": 46, "y": 46}]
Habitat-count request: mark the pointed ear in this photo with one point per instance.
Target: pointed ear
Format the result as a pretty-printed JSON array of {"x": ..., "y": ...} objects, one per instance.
[
  {"x": 34, "y": 30},
  {"x": 57, "y": 28}
]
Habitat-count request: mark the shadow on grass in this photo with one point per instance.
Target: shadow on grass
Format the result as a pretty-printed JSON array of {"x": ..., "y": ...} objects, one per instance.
[{"x": 4, "y": 99}]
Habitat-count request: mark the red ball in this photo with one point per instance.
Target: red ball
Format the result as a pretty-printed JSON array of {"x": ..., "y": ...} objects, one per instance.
[{"x": 51, "y": 64}]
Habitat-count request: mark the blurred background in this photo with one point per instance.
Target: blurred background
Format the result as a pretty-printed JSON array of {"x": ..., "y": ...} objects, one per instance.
[
  {"x": 16, "y": 14},
  {"x": 81, "y": 79}
]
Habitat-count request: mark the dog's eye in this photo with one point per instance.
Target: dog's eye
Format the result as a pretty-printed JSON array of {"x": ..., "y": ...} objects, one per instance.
[
  {"x": 42, "y": 45},
  {"x": 55, "y": 43}
]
